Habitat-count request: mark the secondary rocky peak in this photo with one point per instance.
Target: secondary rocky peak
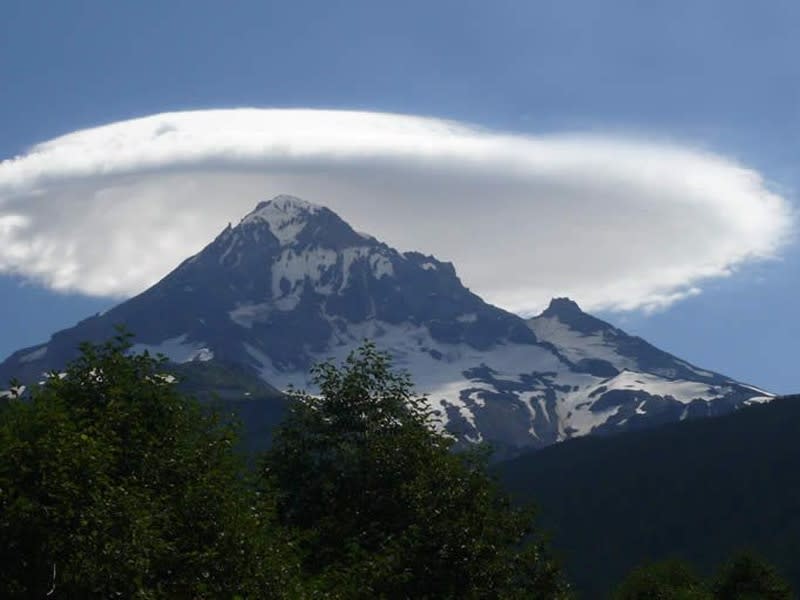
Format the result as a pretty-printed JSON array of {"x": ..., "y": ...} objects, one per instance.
[
  {"x": 569, "y": 314},
  {"x": 564, "y": 308}
]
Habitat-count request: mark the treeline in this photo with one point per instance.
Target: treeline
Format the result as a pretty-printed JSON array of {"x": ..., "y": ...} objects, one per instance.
[
  {"x": 115, "y": 484},
  {"x": 744, "y": 577},
  {"x": 699, "y": 490}
]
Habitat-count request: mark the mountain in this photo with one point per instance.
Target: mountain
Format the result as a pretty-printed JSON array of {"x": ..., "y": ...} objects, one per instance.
[
  {"x": 697, "y": 490},
  {"x": 234, "y": 390},
  {"x": 293, "y": 284}
]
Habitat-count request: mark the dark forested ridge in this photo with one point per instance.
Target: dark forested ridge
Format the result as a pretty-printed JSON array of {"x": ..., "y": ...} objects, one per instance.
[
  {"x": 231, "y": 390},
  {"x": 695, "y": 490}
]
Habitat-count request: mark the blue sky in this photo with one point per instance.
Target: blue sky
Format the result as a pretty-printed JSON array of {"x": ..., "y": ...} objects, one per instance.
[{"x": 716, "y": 76}]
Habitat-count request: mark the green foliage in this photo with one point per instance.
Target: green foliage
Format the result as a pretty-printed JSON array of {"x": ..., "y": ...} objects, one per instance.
[
  {"x": 666, "y": 580},
  {"x": 384, "y": 509},
  {"x": 114, "y": 484},
  {"x": 747, "y": 577}
]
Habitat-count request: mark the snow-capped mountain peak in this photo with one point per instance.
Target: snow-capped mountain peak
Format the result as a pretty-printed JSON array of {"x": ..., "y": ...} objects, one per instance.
[
  {"x": 293, "y": 284},
  {"x": 286, "y": 216}
]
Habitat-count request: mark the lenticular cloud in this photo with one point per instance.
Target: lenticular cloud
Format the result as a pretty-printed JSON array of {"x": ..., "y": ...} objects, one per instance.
[{"x": 614, "y": 223}]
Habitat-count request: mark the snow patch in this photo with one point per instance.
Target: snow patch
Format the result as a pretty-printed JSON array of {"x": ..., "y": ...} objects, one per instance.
[
  {"x": 380, "y": 265},
  {"x": 177, "y": 350},
  {"x": 694, "y": 369},
  {"x": 245, "y": 315},
  {"x": 293, "y": 269},
  {"x": 759, "y": 390},
  {"x": 13, "y": 392},
  {"x": 758, "y": 399},
  {"x": 576, "y": 346},
  {"x": 35, "y": 355},
  {"x": 681, "y": 390},
  {"x": 285, "y": 215},
  {"x": 233, "y": 243}
]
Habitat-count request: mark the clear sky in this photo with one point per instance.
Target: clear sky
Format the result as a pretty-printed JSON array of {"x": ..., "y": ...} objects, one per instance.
[{"x": 721, "y": 77}]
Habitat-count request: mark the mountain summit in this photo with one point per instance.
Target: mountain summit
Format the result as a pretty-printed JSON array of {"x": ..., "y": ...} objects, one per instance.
[{"x": 293, "y": 284}]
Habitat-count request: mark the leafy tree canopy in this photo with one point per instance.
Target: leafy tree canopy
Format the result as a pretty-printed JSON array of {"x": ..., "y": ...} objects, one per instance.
[
  {"x": 744, "y": 577},
  {"x": 666, "y": 580},
  {"x": 114, "y": 484},
  {"x": 382, "y": 505},
  {"x": 747, "y": 577}
]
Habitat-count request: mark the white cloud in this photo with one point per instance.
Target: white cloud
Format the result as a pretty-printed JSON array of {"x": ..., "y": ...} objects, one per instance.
[{"x": 613, "y": 223}]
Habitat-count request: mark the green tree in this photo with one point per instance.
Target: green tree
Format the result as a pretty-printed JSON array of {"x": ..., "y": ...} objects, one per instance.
[
  {"x": 664, "y": 580},
  {"x": 381, "y": 505},
  {"x": 114, "y": 484},
  {"x": 746, "y": 577}
]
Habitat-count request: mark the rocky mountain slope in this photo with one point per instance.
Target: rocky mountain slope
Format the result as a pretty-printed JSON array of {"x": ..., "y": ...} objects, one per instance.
[{"x": 293, "y": 284}]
